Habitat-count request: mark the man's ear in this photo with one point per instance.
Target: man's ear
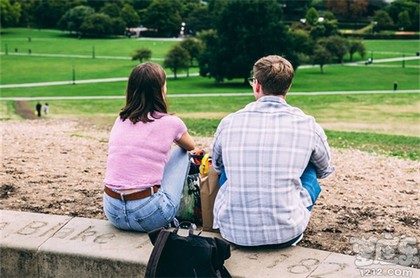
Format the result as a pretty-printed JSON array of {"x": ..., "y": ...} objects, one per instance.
[{"x": 257, "y": 90}]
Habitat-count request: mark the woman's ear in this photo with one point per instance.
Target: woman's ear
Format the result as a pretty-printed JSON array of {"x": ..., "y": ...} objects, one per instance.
[{"x": 164, "y": 89}]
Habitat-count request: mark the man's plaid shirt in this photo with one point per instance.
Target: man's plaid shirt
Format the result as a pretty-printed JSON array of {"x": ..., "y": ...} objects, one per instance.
[{"x": 264, "y": 149}]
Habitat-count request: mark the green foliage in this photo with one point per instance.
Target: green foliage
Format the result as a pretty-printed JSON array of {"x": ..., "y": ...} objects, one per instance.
[
  {"x": 321, "y": 56},
  {"x": 312, "y": 16},
  {"x": 47, "y": 13},
  {"x": 301, "y": 38},
  {"x": 239, "y": 44},
  {"x": 383, "y": 20},
  {"x": 98, "y": 25},
  {"x": 356, "y": 46},
  {"x": 177, "y": 59},
  {"x": 324, "y": 29},
  {"x": 337, "y": 46},
  {"x": 404, "y": 21},
  {"x": 10, "y": 14},
  {"x": 198, "y": 18},
  {"x": 164, "y": 16},
  {"x": 72, "y": 20},
  {"x": 111, "y": 9},
  {"x": 130, "y": 16},
  {"x": 405, "y": 7},
  {"x": 193, "y": 46},
  {"x": 142, "y": 54}
]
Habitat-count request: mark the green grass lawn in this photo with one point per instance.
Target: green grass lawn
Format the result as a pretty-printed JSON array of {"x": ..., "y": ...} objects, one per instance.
[
  {"x": 398, "y": 47},
  {"x": 334, "y": 78},
  {"x": 58, "y": 42},
  {"x": 381, "y": 123}
]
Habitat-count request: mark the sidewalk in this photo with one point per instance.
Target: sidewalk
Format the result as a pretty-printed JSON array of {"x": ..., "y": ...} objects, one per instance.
[{"x": 43, "y": 245}]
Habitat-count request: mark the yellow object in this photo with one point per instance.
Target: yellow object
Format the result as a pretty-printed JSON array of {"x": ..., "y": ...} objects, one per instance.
[{"x": 204, "y": 166}]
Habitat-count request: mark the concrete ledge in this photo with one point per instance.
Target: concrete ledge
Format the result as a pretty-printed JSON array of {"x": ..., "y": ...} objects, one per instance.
[{"x": 41, "y": 245}]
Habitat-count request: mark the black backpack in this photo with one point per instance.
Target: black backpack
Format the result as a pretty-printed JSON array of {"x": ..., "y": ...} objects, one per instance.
[{"x": 191, "y": 256}]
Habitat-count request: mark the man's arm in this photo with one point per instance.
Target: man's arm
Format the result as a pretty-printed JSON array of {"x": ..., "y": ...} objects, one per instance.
[
  {"x": 216, "y": 150},
  {"x": 321, "y": 155}
]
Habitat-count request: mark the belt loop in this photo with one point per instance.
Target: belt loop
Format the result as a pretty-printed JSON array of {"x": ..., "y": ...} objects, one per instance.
[
  {"x": 152, "y": 190},
  {"x": 122, "y": 196}
]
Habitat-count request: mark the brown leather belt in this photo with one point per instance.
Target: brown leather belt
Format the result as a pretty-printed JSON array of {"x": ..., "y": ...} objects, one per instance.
[{"x": 132, "y": 196}]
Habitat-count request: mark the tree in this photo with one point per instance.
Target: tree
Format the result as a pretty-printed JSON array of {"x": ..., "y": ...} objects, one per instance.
[
  {"x": 142, "y": 54},
  {"x": 72, "y": 20},
  {"x": 211, "y": 48},
  {"x": 294, "y": 10},
  {"x": 383, "y": 20},
  {"x": 198, "y": 19},
  {"x": 410, "y": 6},
  {"x": 239, "y": 44},
  {"x": 404, "y": 21},
  {"x": 177, "y": 59},
  {"x": 312, "y": 16},
  {"x": 47, "y": 13},
  {"x": 321, "y": 56},
  {"x": 193, "y": 46},
  {"x": 10, "y": 14},
  {"x": 356, "y": 46},
  {"x": 302, "y": 41},
  {"x": 130, "y": 16},
  {"x": 111, "y": 9},
  {"x": 164, "y": 16},
  {"x": 325, "y": 28},
  {"x": 348, "y": 8},
  {"x": 337, "y": 46},
  {"x": 97, "y": 24}
]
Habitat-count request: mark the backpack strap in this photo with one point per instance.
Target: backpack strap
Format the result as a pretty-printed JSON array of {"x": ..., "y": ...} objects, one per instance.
[{"x": 157, "y": 251}]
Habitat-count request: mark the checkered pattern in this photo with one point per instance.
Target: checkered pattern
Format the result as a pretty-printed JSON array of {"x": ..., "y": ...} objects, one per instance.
[{"x": 264, "y": 149}]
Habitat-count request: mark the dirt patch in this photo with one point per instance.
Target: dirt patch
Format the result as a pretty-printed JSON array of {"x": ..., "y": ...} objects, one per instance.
[
  {"x": 54, "y": 166},
  {"x": 24, "y": 110}
]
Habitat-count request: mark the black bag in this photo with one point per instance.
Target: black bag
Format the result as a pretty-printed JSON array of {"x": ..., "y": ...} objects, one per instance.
[{"x": 191, "y": 256}]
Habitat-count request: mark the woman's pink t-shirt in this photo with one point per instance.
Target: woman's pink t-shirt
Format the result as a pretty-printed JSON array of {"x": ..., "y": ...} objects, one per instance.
[{"x": 138, "y": 152}]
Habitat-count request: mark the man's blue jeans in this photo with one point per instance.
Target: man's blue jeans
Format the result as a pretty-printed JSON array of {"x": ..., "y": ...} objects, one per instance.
[
  {"x": 308, "y": 179},
  {"x": 158, "y": 210}
]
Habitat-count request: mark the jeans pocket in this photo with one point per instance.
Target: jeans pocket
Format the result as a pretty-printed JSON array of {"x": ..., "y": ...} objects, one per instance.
[
  {"x": 156, "y": 213},
  {"x": 114, "y": 211}
]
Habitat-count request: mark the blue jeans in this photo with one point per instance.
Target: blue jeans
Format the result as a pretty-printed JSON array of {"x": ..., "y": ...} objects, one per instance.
[
  {"x": 308, "y": 179},
  {"x": 158, "y": 210}
]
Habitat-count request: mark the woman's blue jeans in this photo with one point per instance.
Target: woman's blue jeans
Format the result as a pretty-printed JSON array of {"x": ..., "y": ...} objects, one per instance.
[
  {"x": 158, "y": 210},
  {"x": 308, "y": 179}
]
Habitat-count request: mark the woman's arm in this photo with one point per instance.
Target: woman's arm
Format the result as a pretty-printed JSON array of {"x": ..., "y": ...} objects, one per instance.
[{"x": 186, "y": 142}]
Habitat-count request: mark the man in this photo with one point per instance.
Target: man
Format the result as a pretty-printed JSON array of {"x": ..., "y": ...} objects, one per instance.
[
  {"x": 264, "y": 150},
  {"x": 38, "y": 108}
]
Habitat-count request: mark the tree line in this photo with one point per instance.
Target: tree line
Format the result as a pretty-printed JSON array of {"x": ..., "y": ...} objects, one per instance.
[{"x": 167, "y": 16}]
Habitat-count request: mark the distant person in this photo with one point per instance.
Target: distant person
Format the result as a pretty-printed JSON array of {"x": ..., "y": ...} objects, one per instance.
[
  {"x": 395, "y": 85},
  {"x": 271, "y": 154},
  {"x": 46, "y": 108},
  {"x": 38, "y": 107},
  {"x": 144, "y": 179}
]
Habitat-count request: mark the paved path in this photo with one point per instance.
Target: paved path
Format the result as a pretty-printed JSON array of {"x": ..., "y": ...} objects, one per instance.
[
  {"x": 120, "y": 79},
  {"x": 211, "y": 95}
]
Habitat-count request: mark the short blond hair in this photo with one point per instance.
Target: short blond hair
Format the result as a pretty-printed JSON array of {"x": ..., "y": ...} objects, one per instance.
[{"x": 274, "y": 73}]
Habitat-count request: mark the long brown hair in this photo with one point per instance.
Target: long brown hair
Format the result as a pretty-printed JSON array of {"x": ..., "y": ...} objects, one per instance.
[{"x": 144, "y": 95}]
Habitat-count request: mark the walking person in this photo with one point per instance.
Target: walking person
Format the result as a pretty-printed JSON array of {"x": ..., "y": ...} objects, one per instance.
[
  {"x": 46, "y": 109},
  {"x": 144, "y": 179},
  {"x": 271, "y": 155},
  {"x": 38, "y": 107}
]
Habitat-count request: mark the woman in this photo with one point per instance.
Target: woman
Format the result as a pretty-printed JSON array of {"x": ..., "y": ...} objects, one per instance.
[{"x": 144, "y": 181}]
